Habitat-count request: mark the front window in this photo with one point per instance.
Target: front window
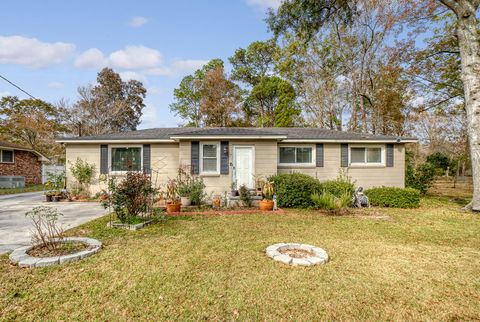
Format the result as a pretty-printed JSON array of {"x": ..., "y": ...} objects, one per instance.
[
  {"x": 210, "y": 158},
  {"x": 296, "y": 155},
  {"x": 366, "y": 155},
  {"x": 126, "y": 159},
  {"x": 6, "y": 156}
]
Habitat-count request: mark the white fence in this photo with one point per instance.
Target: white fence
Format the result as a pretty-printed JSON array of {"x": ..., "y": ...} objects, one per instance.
[{"x": 46, "y": 169}]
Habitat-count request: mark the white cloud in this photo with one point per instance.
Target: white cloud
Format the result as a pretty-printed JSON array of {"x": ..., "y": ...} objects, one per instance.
[
  {"x": 264, "y": 4},
  {"x": 136, "y": 22},
  {"x": 56, "y": 85},
  {"x": 32, "y": 52},
  {"x": 128, "y": 75},
  {"x": 91, "y": 58},
  {"x": 135, "y": 57},
  {"x": 177, "y": 68}
]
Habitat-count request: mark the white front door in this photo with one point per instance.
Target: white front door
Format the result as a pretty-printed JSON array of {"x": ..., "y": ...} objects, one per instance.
[{"x": 243, "y": 165}]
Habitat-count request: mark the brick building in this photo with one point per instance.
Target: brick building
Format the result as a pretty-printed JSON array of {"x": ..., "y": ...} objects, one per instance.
[{"x": 16, "y": 160}]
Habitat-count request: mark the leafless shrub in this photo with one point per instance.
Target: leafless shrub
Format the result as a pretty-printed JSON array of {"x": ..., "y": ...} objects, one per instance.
[{"x": 45, "y": 226}]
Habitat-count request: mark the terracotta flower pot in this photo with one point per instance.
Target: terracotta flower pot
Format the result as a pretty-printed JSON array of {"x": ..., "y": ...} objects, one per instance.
[
  {"x": 266, "y": 205},
  {"x": 173, "y": 207}
]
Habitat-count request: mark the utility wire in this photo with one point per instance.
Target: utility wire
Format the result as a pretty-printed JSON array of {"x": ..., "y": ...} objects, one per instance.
[{"x": 11, "y": 83}]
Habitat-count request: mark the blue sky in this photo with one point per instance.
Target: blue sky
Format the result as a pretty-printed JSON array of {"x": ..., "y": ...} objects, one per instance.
[{"x": 49, "y": 48}]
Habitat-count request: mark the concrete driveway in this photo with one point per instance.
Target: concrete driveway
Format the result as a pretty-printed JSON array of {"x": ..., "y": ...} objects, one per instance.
[{"x": 15, "y": 227}]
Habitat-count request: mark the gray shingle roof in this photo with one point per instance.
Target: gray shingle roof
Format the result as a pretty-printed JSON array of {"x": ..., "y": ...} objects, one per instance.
[{"x": 290, "y": 133}]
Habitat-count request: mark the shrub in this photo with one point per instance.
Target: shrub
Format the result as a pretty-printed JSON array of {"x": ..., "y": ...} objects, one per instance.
[
  {"x": 420, "y": 178},
  {"x": 328, "y": 201},
  {"x": 338, "y": 187},
  {"x": 190, "y": 186},
  {"x": 393, "y": 197},
  {"x": 45, "y": 227},
  {"x": 83, "y": 172},
  {"x": 325, "y": 200},
  {"x": 440, "y": 161},
  {"x": 131, "y": 196},
  {"x": 295, "y": 189},
  {"x": 245, "y": 196}
]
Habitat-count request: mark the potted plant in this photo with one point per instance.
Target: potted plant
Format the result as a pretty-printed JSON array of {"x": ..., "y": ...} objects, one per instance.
[
  {"x": 173, "y": 204},
  {"x": 234, "y": 191},
  {"x": 259, "y": 182},
  {"x": 48, "y": 196},
  {"x": 267, "y": 202},
  {"x": 184, "y": 191},
  {"x": 103, "y": 195},
  {"x": 57, "y": 195}
]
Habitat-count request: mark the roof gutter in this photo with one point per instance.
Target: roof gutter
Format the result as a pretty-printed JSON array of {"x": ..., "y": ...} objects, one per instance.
[
  {"x": 93, "y": 141},
  {"x": 350, "y": 141},
  {"x": 40, "y": 156},
  {"x": 230, "y": 137}
]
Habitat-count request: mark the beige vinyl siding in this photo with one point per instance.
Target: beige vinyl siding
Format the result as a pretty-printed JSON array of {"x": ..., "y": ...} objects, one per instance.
[
  {"x": 86, "y": 152},
  {"x": 362, "y": 176},
  {"x": 164, "y": 162},
  {"x": 265, "y": 162}
]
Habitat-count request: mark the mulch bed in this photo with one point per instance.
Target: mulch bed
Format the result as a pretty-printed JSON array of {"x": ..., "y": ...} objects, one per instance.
[
  {"x": 225, "y": 212},
  {"x": 297, "y": 253},
  {"x": 60, "y": 249}
]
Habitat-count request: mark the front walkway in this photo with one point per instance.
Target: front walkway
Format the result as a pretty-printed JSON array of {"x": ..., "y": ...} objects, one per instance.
[{"x": 15, "y": 227}]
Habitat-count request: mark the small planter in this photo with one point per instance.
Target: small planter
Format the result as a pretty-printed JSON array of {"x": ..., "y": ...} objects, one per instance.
[
  {"x": 173, "y": 207},
  {"x": 57, "y": 198},
  {"x": 265, "y": 205},
  {"x": 234, "y": 193},
  {"x": 48, "y": 198},
  {"x": 185, "y": 201}
]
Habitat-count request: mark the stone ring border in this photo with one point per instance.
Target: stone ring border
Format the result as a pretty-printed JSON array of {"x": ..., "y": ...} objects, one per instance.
[
  {"x": 320, "y": 255},
  {"x": 19, "y": 256}
]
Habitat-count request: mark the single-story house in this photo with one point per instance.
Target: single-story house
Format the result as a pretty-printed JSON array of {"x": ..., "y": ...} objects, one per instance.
[
  {"x": 225, "y": 155},
  {"x": 17, "y": 160}
]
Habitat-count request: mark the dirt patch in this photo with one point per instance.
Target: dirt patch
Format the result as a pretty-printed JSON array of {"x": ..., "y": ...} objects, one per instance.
[
  {"x": 60, "y": 249},
  {"x": 297, "y": 253}
]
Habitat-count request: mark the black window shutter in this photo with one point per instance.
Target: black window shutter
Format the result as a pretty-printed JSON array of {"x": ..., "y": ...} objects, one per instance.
[
  {"x": 224, "y": 157},
  {"x": 319, "y": 156},
  {"x": 103, "y": 159},
  {"x": 195, "y": 157},
  {"x": 146, "y": 159},
  {"x": 344, "y": 155},
  {"x": 390, "y": 155}
]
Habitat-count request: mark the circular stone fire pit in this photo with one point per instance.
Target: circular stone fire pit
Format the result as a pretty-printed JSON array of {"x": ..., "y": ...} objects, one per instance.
[
  {"x": 23, "y": 259},
  {"x": 297, "y": 254}
]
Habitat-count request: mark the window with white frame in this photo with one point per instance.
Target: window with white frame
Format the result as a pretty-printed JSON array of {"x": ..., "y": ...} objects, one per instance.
[
  {"x": 210, "y": 158},
  {"x": 6, "y": 156},
  {"x": 296, "y": 155},
  {"x": 366, "y": 156},
  {"x": 124, "y": 159}
]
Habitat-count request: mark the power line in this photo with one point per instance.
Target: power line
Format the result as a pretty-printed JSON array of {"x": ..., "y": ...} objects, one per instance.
[{"x": 11, "y": 83}]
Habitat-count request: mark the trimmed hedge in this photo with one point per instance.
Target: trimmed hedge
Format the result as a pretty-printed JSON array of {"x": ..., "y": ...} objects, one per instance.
[
  {"x": 394, "y": 197},
  {"x": 293, "y": 190}
]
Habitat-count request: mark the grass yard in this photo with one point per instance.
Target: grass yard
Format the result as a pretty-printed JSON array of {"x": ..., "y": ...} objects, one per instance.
[
  {"x": 28, "y": 188},
  {"x": 422, "y": 264}
]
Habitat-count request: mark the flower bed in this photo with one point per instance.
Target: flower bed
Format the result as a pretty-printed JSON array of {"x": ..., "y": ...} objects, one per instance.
[{"x": 22, "y": 256}]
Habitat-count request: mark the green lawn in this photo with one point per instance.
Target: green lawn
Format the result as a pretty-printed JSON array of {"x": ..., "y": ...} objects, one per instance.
[
  {"x": 28, "y": 188},
  {"x": 422, "y": 264}
]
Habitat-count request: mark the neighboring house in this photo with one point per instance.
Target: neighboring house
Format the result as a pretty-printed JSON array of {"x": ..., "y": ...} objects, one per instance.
[
  {"x": 225, "y": 155},
  {"x": 16, "y": 160}
]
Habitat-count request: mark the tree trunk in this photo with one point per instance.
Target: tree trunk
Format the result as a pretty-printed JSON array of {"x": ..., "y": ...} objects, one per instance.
[{"x": 469, "y": 44}]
